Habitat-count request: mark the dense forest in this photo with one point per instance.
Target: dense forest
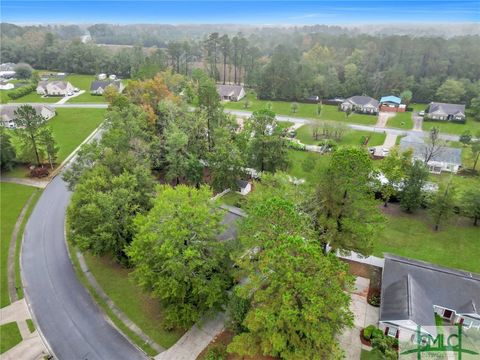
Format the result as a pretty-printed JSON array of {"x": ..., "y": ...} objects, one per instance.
[{"x": 279, "y": 63}]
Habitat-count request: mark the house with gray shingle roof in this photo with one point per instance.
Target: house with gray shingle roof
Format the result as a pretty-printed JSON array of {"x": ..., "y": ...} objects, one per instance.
[
  {"x": 98, "y": 87},
  {"x": 54, "y": 88},
  {"x": 445, "y": 159},
  {"x": 361, "y": 104},
  {"x": 445, "y": 112},
  {"x": 231, "y": 92},
  {"x": 7, "y": 113},
  {"x": 414, "y": 291}
]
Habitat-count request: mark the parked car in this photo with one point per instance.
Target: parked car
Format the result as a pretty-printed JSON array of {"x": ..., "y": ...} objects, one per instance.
[
  {"x": 76, "y": 90},
  {"x": 70, "y": 93},
  {"x": 421, "y": 113}
]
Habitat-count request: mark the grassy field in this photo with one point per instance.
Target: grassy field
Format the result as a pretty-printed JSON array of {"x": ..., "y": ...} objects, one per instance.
[
  {"x": 328, "y": 112},
  {"x": 370, "y": 355},
  {"x": 351, "y": 137},
  {"x": 138, "y": 305},
  {"x": 13, "y": 198},
  {"x": 460, "y": 182},
  {"x": 83, "y": 82},
  {"x": 307, "y": 165},
  {"x": 10, "y": 336},
  {"x": 232, "y": 198},
  {"x": 454, "y": 128},
  {"x": 401, "y": 121},
  {"x": 33, "y": 97},
  {"x": 412, "y": 235}
]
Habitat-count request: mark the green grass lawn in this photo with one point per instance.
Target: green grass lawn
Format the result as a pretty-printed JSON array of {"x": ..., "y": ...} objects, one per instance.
[
  {"x": 412, "y": 235},
  {"x": 232, "y": 198},
  {"x": 328, "y": 112},
  {"x": 307, "y": 165},
  {"x": 9, "y": 336},
  {"x": 351, "y": 137},
  {"x": 370, "y": 355},
  {"x": 460, "y": 182},
  {"x": 33, "y": 97},
  {"x": 454, "y": 128},
  {"x": 138, "y": 305},
  {"x": 401, "y": 120},
  {"x": 13, "y": 198},
  {"x": 31, "y": 325}
]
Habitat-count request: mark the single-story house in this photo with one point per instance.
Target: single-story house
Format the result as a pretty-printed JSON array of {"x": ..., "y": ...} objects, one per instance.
[
  {"x": 231, "y": 92},
  {"x": 445, "y": 159},
  {"x": 7, "y": 74},
  {"x": 392, "y": 104},
  {"x": 445, "y": 112},
  {"x": 414, "y": 291},
  {"x": 98, "y": 87},
  {"x": 54, "y": 88},
  {"x": 6, "y": 85},
  {"x": 361, "y": 104},
  {"x": 7, "y": 113},
  {"x": 244, "y": 187}
]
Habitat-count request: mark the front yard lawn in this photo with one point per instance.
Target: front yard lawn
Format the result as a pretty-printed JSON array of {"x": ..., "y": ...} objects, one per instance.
[
  {"x": 351, "y": 137},
  {"x": 362, "y": 119},
  {"x": 9, "y": 336},
  {"x": 83, "y": 82},
  {"x": 232, "y": 198},
  {"x": 33, "y": 97},
  {"x": 401, "y": 120},
  {"x": 454, "y": 128},
  {"x": 138, "y": 305},
  {"x": 13, "y": 198},
  {"x": 307, "y": 165},
  {"x": 412, "y": 235}
]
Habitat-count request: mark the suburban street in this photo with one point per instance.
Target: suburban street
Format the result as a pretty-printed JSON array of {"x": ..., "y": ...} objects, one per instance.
[{"x": 70, "y": 321}]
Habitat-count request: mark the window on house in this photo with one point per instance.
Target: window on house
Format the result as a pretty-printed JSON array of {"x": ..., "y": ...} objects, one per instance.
[{"x": 392, "y": 331}]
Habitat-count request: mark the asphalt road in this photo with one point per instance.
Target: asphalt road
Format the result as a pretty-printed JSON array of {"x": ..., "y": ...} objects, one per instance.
[{"x": 73, "y": 325}]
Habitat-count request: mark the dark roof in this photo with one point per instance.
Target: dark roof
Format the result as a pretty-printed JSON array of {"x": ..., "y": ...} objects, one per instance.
[
  {"x": 60, "y": 84},
  {"x": 242, "y": 183},
  {"x": 232, "y": 215},
  {"x": 103, "y": 84},
  {"x": 410, "y": 289},
  {"x": 229, "y": 90},
  {"x": 363, "y": 100},
  {"x": 417, "y": 144},
  {"x": 445, "y": 108}
]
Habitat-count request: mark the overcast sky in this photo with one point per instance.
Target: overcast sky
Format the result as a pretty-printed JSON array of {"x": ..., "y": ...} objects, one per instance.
[{"x": 240, "y": 12}]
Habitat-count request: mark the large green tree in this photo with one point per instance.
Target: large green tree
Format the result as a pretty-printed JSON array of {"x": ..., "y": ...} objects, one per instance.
[
  {"x": 412, "y": 194},
  {"x": 442, "y": 204},
  {"x": 451, "y": 91},
  {"x": 345, "y": 213},
  {"x": 393, "y": 167},
  {"x": 7, "y": 151},
  {"x": 178, "y": 257},
  {"x": 470, "y": 204},
  {"x": 28, "y": 127}
]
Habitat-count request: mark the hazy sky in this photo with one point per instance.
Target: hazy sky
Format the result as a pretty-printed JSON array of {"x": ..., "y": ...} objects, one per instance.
[{"x": 240, "y": 12}]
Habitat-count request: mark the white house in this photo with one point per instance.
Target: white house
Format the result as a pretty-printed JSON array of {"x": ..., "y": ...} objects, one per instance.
[
  {"x": 244, "y": 187},
  {"x": 7, "y": 113},
  {"x": 6, "y": 86},
  {"x": 414, "y": 291},
  {"x": 445, "y": 159},
  {"x": 55, "y": 88},
  {"x": 231, "y": 92}
]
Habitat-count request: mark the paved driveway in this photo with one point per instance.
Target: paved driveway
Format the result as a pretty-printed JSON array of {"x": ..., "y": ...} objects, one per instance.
[{"x": 417, "y": 121}]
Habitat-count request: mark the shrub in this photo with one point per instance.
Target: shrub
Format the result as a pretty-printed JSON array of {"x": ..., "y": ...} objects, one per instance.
[
  {"x": 39, "y": 172},
  {"x": 22, "y": 91},
  {"x": 216, "y": 353},
  {"x": 237, "y": 310},
  {"x": 367, "y": 332}
]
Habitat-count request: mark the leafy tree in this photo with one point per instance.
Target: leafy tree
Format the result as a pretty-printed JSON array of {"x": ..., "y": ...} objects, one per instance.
[
  {"x": 102, "y": 209},
  {"x": 294, "y": 107},
  {"x": 451, "y": 91},
  {"x": 23, "y": 71},
  {"x": 475, "y": 149},
  {"x": 441, "y": 207},
  {"x": 29, "y": 125},
  {"x": 177, "y": 255},
  {"x": 393, "y": 167},
  {"x": 225, "y": 50},
  {"x": 475, "y": 107},
  {"x": 466, "y": 137},
  {"x": 46, "y": 139},
  {"x": 411, "y": 196},
  {"x": 267, "y": 149},
  {"x": 345, "y": 212},
  {"x": 406, "y": 97},
  {"x": 7, "y": 151},
  {"x": 298, "y": 302},
  {"x": 176, "y": 155},
  {"x": 470, "y": 204}
]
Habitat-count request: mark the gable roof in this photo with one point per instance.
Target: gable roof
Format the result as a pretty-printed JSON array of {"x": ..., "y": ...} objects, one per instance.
[
  {"x": 103, "y": 84},
  {"x": 417, "y": 144},
  {"x": 58, "y": 83},
  {"x": 410, "y": 289},
  {"x": 229, "y": 90},
  {"x": 446, "y": 109},
  {"x": 7, "y": 112},
  {"x": 391, "y": 99},
  {"x": 363, "y": 101}
]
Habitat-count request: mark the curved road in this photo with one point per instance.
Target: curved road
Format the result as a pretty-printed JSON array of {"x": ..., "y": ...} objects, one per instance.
[{"x": 71, "y": 322}]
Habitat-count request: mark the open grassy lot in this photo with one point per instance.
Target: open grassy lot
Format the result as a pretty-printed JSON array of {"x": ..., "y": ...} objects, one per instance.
[
  {"x": 83, "y": 82},
  {"x": 33, "y": 97},
  {"x": 460, "y": 182},
  {"x": 13, "y": 198},
  {"x": 412, "y": 235},
  {"x": 454, "y": 128},
  {"x": 307, "y": 165},
  {"x": 9, "y": 336},
  {"x": 351, "y": 137},
  {"x": 401, "y": 121},
  {"x": 328, "y": 112},
  {"x": 138, "y": 305}
]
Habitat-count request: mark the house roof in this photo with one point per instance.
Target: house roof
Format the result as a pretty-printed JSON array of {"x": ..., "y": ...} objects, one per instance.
[
  {"x": 103, "y": 84},
  {"x": 363, "y": 101},
  {"x": 58, "y": 83},
  {"x": 229, "y": 90},
  {"x": 242, "y": 183},
  {"x": 446, "y": 109},
  {"x": 410, "y": 289},
  {"x": 7, "y": 112},
  {"x": 417, "y": 144},
  {"x": 230, "y": 219},
  {"x": 391, "y": 99}
]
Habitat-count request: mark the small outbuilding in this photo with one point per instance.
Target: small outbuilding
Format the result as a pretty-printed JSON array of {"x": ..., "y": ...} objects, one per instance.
[
  {"x": 392, "y": 104},
  {"x": 244, "y": 187}
]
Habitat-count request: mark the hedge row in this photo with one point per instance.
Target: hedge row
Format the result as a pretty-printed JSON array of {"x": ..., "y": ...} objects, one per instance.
[{"x": 22, "y": 91}]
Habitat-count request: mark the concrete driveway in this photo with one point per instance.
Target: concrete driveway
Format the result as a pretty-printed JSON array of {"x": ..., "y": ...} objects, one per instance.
[
  {"x": 364, "y": 315},
  {"x": 383, "y": 118},
  {"x": 417, "y": 121}
]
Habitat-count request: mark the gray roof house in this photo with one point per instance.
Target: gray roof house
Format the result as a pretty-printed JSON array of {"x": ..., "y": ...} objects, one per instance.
[
  {"x": 445, "y": 112},
  {"x": 54, "y": 88},
  {"x": 231, "y": 92},
  {"x": 445, "y": 159},
  {"x": 98, "y": 87},
  {"x": 414, "y": 291},
  {"x": 7, "y": 113},
  {"x": 362, "y": 104}
]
